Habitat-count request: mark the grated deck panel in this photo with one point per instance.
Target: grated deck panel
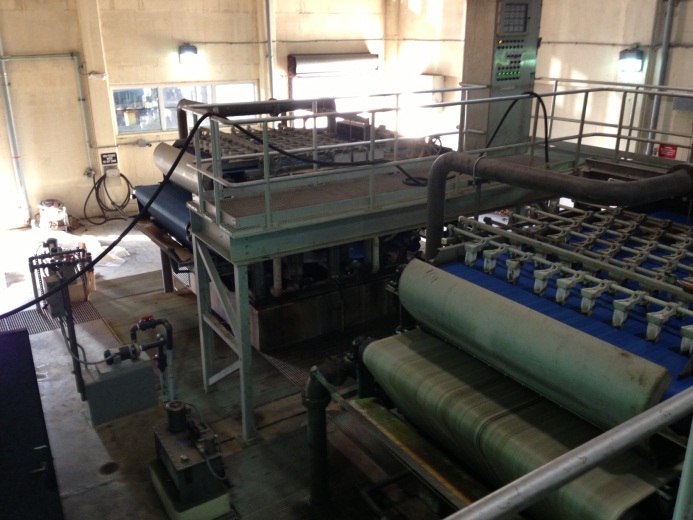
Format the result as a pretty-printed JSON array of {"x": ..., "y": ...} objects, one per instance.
[{"x": 35, "y": 322}]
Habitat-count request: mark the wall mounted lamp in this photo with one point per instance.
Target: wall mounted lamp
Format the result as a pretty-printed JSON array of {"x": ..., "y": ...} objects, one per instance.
[
  {"x": 631, "y": 60},
  {"x": 187, "y": 53}
]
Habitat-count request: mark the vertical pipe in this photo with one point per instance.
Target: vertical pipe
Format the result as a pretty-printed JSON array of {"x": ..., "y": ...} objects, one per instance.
[
  {"x": 375, "y": 255},
  {"x": 72, "y": 339},
  {"x": 14, "y": 145},
  {"x": 241, "y": 329},
  {"x": 533, "y": 139},
  {"x": 315, "y": 399},
  {"x": 169, "y": 372},
  {"x": 270, "y": 53},
  {"x": 317, "y": 448},
  {"x": 277, "y": 276},
  {"x": 83, "y": 105},
  {"x": 663, "y": 68}
]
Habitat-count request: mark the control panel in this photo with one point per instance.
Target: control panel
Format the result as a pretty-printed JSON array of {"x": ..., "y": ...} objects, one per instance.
[{"x": 515, "y": 49}]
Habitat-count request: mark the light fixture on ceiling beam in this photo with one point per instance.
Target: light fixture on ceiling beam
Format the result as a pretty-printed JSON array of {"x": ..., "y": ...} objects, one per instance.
[
  {"x": 631, "y": 60},
  {"x": 187, "y": 53}
]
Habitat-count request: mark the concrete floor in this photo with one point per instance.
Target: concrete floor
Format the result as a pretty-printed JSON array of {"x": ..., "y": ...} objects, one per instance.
[
  {"x": 103, "y": 472},
  {"x": 133, "y": 255}
]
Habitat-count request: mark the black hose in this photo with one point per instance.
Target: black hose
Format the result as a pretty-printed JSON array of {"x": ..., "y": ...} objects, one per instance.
[
  {"x": 531, "y": 94},
  {"x": 109, "y": 205}
]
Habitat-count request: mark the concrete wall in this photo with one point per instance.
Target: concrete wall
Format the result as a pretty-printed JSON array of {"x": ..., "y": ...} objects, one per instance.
[
  {"x": 135, "y": 42},
  {"x": 679, "y": 75},
  {"x": 582, "y": 41}
]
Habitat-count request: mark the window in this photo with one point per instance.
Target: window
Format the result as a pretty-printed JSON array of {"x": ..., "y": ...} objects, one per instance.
[
  {"x": 137, "y": 109},
  {"x": 152, "y": 109}
]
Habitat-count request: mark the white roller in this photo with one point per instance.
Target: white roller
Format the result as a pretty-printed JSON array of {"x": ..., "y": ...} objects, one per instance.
[{"x": 183, "y": 176}]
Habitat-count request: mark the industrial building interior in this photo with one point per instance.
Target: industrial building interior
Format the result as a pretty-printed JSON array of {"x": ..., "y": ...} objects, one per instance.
[{"x": 418, "y": 259}]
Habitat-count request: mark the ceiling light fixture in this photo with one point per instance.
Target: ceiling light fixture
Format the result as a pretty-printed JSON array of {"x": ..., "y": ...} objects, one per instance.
[
  {"x": 631, "y": 60},
  {"x": 187, "y": 53}
]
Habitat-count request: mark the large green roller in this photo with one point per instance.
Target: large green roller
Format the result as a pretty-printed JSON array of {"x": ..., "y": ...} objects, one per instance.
[
  {"x": 501, "y": 429},
  {"x": 594, "y": 379}
]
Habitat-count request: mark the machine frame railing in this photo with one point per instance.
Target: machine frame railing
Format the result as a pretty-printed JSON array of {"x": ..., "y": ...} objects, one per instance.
[
  {"x": 638, "y": 92},
  {"x": 624, "y": 133}
]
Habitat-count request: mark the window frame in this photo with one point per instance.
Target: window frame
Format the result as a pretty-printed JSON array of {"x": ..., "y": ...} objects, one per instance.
[{"x": 213, "y": 86}]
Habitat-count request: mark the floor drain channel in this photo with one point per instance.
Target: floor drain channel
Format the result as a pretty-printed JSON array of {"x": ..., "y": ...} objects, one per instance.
[{"x": 109, "y": 468}]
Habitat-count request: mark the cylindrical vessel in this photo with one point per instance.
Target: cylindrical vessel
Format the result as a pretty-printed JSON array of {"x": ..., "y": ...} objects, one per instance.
[
  {"x": 594, "y": 379},
  {"x": 176, "y": 414},
  {"x": 183, "y": 176}
]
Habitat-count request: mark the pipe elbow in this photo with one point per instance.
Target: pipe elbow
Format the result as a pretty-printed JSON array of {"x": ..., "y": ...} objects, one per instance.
[
  {"x": 335, "y": 371},
  {"x": 684, "y": 168}
]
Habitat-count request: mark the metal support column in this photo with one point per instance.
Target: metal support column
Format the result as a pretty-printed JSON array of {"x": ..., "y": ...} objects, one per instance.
[
  {"x": 204, "y": 307},
  {"x": 242, "y": 331},
  {"x": 166, "y": 272},
  {"x": 238, "y": 338}
]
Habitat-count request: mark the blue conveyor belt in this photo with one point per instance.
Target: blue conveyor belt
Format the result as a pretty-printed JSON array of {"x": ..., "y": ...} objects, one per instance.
[{"x": 169, "y": 209}]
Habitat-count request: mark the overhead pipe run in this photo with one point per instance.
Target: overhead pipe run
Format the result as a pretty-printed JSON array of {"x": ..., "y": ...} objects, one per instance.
[
  {"x": 270, "y": 54},
  {"x": 252, "y": 108},
  {"x": 679, "y": 182},
  {"x": 663, "y": 69}
]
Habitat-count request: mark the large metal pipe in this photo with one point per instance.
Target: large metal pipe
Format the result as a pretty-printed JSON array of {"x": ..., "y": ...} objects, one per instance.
[
  {"x": 679, "y": 181},
  {"x": 83, "y": 107},
  {"x": 252, "y": 108},
  {"x": 270, "y": 53},
  {"x": 523, "y": 492},
  {"x": 184, "y": 176},
  {"x": 662, "y": 76},
  {"x": 14, "y": 144},
  {"x": 316, "y": 398}
]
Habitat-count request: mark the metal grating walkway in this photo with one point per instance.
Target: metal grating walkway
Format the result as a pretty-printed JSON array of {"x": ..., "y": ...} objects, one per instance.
[{"x": 34, "y": 321}]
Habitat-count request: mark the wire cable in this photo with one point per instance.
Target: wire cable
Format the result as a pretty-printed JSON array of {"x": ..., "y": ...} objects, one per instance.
[
  {"x": 128, "y": 228},
  {"x": 109, "y": 205},
  {"x": 531, "y": 94},
  {"x": 211, "y": 469},
  {"x": 67, "y": 344}
]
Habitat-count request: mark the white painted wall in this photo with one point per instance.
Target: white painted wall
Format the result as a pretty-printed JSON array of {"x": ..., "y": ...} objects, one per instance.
[{"x": 582, "y": 40}]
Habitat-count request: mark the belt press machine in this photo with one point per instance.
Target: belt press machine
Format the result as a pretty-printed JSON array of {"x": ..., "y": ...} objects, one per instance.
[
  {"x": 310, "y": 283},
  {"x": 530, "y": 333}
]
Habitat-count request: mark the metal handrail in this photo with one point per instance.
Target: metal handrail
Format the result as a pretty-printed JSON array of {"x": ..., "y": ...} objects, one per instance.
[
  {"x": 523, "y": 492},
  {"x": 625, "y": 130}
]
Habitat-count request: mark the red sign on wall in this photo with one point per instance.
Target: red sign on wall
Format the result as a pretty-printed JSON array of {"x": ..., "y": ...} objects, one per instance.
[{"x": 667, "y": 151}]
